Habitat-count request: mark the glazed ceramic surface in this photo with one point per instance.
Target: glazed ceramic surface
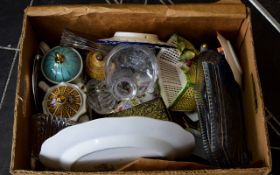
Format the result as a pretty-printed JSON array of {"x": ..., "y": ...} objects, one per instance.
[
  {"x": 64, "y": 100},
  {"x": 61, "y": 64},
  {"x": 133, "y": 38},
  {"x": 95, "y": 64},
  {"x": 114, "y": 141}
]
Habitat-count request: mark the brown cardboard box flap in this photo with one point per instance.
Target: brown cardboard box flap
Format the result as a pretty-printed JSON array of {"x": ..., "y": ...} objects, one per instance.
[
  {"x": 224, "y": 8},
  {"x": 94, "y": 21}
]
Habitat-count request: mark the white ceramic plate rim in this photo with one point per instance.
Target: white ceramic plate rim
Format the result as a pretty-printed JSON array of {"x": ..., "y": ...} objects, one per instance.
[{"x": 162, "y": 136}]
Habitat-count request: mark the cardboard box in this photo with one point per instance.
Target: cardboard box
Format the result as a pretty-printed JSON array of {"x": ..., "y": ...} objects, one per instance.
[{"x": 197, "y": 22}]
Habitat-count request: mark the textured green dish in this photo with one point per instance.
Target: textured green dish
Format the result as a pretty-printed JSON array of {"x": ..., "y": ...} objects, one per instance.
[{"x": 154, "y": 109}]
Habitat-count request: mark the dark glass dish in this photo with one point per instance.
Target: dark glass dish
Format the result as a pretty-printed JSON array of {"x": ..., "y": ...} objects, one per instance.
[{"x": 219, "y": 104}]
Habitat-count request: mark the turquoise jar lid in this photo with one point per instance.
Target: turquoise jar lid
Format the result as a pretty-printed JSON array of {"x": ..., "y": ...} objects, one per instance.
[{"x": 62, "y": 64}]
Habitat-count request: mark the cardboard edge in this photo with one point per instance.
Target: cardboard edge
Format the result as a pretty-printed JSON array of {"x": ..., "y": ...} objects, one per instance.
[
  {"x": 17, "y": 97},
  {"x": 246, "y": 28},
  {"x": 235, "y": 9},
  {"x": 243, "y": 27},
  {"x": 250, "y": 171},
  {"x": 261, "y": 105}
]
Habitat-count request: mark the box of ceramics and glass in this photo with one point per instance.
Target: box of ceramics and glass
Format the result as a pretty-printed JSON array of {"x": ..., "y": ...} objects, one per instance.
[{"x": 197, "y": 107}]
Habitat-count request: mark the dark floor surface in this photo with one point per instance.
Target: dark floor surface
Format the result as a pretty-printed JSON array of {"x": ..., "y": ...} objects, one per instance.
[{"x": 267, "y": 47}]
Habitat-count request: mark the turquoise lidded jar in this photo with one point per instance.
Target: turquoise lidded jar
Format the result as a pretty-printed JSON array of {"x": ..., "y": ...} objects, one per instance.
[{"x": 62, "y": 64}]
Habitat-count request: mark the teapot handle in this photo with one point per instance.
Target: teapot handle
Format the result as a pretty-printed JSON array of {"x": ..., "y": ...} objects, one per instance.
[
  {"x": 43, "y": 85},
  {"x": 44, "y": 47}
]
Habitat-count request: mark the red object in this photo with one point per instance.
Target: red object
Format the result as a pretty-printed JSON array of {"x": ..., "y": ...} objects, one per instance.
[{"x": 188, "y": 63}]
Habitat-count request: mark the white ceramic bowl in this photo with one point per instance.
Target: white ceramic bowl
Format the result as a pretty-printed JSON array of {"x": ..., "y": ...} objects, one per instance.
[{"x": 131, "y": 38}]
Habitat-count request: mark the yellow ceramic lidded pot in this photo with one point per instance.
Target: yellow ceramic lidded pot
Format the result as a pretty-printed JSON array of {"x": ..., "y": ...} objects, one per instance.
[{"x": 95, "y": 64}]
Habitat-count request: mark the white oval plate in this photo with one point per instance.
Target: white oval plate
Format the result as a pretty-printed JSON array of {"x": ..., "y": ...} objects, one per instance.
[{"x": 114, "y": 142}]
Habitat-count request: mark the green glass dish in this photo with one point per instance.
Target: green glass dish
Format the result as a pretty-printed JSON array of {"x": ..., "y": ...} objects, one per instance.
[{"x": 154, "y": 108}]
